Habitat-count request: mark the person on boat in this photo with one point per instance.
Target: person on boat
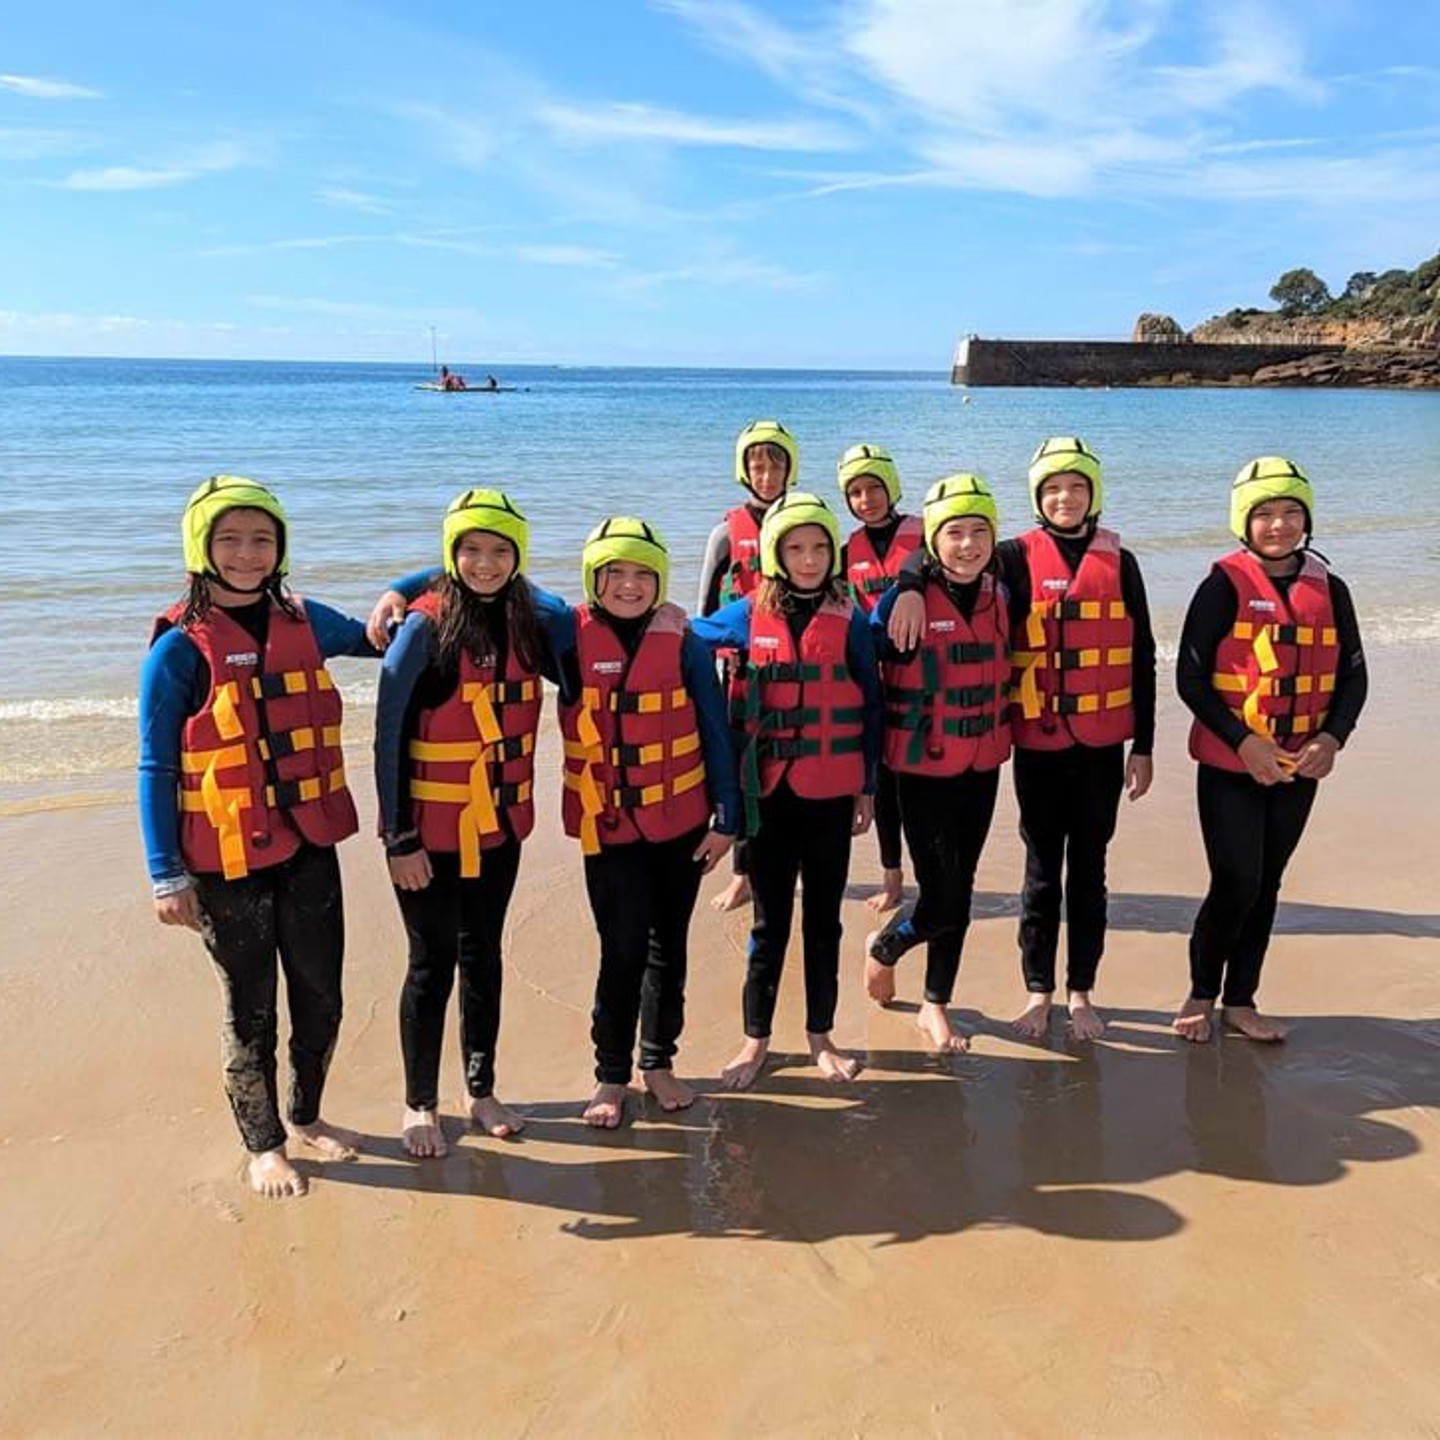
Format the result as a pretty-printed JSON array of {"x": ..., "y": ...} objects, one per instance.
[
  {"x": 491, "y": 383},
  {"x": 451, "y": 380}
]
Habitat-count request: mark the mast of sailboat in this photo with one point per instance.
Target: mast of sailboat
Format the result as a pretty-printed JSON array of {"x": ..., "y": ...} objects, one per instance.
[{"x": 434, "y": 364}]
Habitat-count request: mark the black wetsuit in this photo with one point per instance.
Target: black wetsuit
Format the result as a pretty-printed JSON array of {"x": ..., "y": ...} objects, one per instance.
[
  {"x": 1250, "y": 830},
  {"x": 887, "y": 801}
]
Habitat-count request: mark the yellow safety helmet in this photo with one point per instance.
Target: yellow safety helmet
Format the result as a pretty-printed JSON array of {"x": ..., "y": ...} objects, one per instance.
[
  {"x": 766, "y": 432},
  {"x": 1271, "y": 477},
  {"x": 622, "y": 537},
  {"x": 217, "y": 495},
  {"x": 1059, "y": 454},
  {"x": 789, "y": 512},
  {"x": 869, "y": 460},
  {"x": 490, "y": 510},
  {"x": 956, "y": 496}
]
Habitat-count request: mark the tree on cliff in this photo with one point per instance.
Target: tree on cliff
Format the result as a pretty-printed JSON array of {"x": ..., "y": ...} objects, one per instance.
[
  {"x": 1360, "y": 285},
  {"x": 1300, "y": 292}
]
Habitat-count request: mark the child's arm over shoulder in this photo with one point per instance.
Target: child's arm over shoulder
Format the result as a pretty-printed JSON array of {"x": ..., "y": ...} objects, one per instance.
[
  {"x": 722, "y": 779},
  {"x": 337, "y": 633},
  {"x": 860, "y": 656},
  {"x": 168, "y": 684},
  {"x": 405, "y": 663},
  {"x": 878, "y": 622},
  {"x": 728, "y": 628}
]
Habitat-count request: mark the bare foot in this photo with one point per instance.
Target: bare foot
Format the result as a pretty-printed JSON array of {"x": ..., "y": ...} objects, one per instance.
[
  {"x": 489, "y": 1115},
  {"x": 1193, "y": 1021},
  {"x": 607, "y": 1107},
  {"x": 1085, "y": 1021},
  {"x": 833, "y": 1064},
  {"x": 933, "y": 1022},
  {"x": 273, "y": 1176},
  {"x": 742, "y": 1072},
  {"x": 1252, "y": 1024},
  {"x": 733, "y": 896},
  {"x": 325, "y": 1140},
  {"x": 1033, "y": 1022},
  {"x": 888, "y": 896},
  {"x": 672, "y": 1094},
  {"x": 879, "y": 979},
  {"x": 421, "y": 1135}
]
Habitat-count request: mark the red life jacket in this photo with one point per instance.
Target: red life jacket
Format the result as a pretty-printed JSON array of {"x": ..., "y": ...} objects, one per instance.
[
  {"x": 261, "y": 768},
  {"x": 870, "y": 576},
  {"x": 474, "y": 757},
  {"x": 947, "y": 708},
  {"x": 1071, "y": 656},
  {"x": 743, "y": 576},
  {"x": 633, "y": 764},
  {"x": 1276, "y": 668},
  {"x": 804, "y": 712}
]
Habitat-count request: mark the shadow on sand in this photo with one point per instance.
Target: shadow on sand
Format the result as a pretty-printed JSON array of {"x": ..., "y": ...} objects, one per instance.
[{"x": 1047, "y": 1138}]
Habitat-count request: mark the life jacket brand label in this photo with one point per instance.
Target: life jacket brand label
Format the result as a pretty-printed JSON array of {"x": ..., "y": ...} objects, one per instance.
[
  {"x": 244, "y": 657},
  {"x": 942, "y": 625},
  {"x": 607, "y": 667},
  {"x": 1262, "y": 605},
  {"x": 1054, "y": 584},
  {"x": 765, "y": 642}
]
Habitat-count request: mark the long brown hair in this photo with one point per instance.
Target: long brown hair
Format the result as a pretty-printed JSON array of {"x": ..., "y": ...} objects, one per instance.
[
  {"x": 199, "y": 600},
  {"x": 466, "y": 621},
  {"x": 774, "y": 594}
]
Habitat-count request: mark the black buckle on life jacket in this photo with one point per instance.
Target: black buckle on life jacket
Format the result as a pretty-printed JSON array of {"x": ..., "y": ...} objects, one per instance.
[
  {"x": 1067, "y": 660},
  {"x": 972, "y": 695},
  {"x": 780, "y": 672},
  {"x": 791, "y": 719},
  {"x": 628, "y": 797},
  {"x": 625, "y": 755},
  {"x": 968, "y": 727},
  {"x": 269, "y": 687},
  {"x": 625, "y": 702},
  {"x": 510, "y": 747},
  {"x": 1287, "y": 635},
  {"x": 1069, "y": 609},
  {"x": 1068, "y": 704},
  {"x": 280, "y": 744},
  {"x": 970, "y": 653},
  {"x": 1282, "y": 725},
  {"x": 1284, "y": 685},
  {"x": 508, "y": 692},
  {"x": 506, "y": 794},
  {"x": 287, "y": 794},
  {"x": 788, "y": 749}
]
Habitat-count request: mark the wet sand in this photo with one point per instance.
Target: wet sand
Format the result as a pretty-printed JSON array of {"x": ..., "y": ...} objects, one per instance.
[{"x": 1137, "y": 1237}]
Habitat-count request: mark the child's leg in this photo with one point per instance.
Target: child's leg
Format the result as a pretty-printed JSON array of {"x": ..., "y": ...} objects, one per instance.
[
  {"x": 887, "y": 832},
  {"x": 674, "y": 885},
  {"x": 774, "y": 863},
  {"x": 737, "y": 892},
  {"x": 1097, "y": 780},
  {"x": 1232, "y": 825},
  {"x": 824, "y": 843},
  {"x": 310, "y": 929},
  {"x": 618, "y": 884},
  {"x": 969, "y": 801},
  {"x": 432, "y": 926},
  {"x": 1287, "y": 809},
  {"x": 1040, "y": 781},
  {"x": 484, "y": 902},
  {"x": 240, "y": 936}
]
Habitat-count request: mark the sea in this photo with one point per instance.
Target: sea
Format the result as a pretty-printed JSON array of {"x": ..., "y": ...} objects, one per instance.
[{"x": 97, "y": 458}]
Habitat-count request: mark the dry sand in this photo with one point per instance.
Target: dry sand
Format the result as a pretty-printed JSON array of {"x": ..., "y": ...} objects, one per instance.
[{"x": 1134, "y": 1238}]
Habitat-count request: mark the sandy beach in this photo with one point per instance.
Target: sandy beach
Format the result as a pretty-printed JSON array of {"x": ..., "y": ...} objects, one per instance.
[{"x": 1137, "y": 1237}]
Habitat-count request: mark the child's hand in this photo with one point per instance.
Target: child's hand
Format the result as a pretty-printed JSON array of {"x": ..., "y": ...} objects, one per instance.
[
  {"x": 864, "y": 814},
  {"x": 713, "y": 849},
  {"x": 1265, "y": 760},
  {"x": 389, "y": 610},
  {"x": 410, "y": 872},
  {"x": 181, "y": 908},
  {"x": 1317, "y": 759},
  {"x": 907, "y": 623},
  {"x": 1139, "y": 772}
]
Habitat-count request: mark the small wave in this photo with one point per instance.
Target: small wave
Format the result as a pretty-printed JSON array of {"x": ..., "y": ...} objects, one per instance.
[{"x": 80, "y": 707}]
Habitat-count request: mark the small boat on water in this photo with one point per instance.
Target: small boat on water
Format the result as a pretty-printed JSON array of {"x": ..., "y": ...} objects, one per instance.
[{"x": 468, "y": 389}]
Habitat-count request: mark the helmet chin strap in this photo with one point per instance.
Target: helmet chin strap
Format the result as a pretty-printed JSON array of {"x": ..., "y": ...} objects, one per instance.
[
  {"x": 256, "y": 590},
  {"x": 1085, "y": 527}
]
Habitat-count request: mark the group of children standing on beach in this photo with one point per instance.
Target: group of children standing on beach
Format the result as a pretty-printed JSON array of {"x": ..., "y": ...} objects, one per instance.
[{"x": 883, "y": 678}]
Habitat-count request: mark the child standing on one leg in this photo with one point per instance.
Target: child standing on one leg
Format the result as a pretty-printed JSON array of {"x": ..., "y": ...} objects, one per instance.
[
  {"x": 885, "y": 539},
  {"x": 767, "y": 463},
  {"x": 459, "y": 706},
  {"x": 649, "y": 764},
  {"x": 1083, "y": 660},
  {"x": 947, "y": 733},
  {"x": 1272, "y": 667},
  {"x": 242, "y": 803},
  {"x": 811, "y": 725}
]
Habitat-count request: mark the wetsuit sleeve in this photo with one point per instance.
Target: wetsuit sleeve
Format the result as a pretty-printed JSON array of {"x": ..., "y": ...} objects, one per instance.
[
  {"x": 712, "y": 569},
  {"x": 1142, "y": 654},
  {"x": 1208, "y": 621},
  {"x": 717, "y": 744},
  {"x": 406, "y": 661},
  {"x": 561, "y": 662},
  {"x": 417, "y": 582},
  {"x": 726, "y": 629},
  {"x": 879, "y": 628},
  {"x": 337, "y": 633},
  {"x": 1014, "y": 571},
  {"x": 860, "y": 656},
  {"x": 1352, "y": 682},
  {"x": 168, "y": 683},
  {"x": 912, "y": 573}
]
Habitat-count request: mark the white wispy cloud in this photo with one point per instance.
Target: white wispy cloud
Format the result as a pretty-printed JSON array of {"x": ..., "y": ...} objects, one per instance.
[
  {"x": 362, "y": 309},
  {"x": 210, "y": 160},
  {"x": 724, "y": 271},
  {"x": 623, "y": 121},
  {"x": 295, "y": 242},
  {"x": 34, "y": 143},
  {"x": 466, "y": 139},
  {"x": 37, "y": 87},
  {"x": 583, "y": 257},
  {"x": 361, "y": 201}
]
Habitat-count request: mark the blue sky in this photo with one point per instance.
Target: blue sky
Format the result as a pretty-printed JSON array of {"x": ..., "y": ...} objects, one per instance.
[{"x": 706, "y": 182}]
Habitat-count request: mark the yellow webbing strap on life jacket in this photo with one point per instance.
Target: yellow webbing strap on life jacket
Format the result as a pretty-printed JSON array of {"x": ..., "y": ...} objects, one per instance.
[
  {"x": 227, "y": 717},
  {"x": 222, "y": 809},
  {"x": 478, "y": 816},
  {"x": 592, "y": 753}
]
